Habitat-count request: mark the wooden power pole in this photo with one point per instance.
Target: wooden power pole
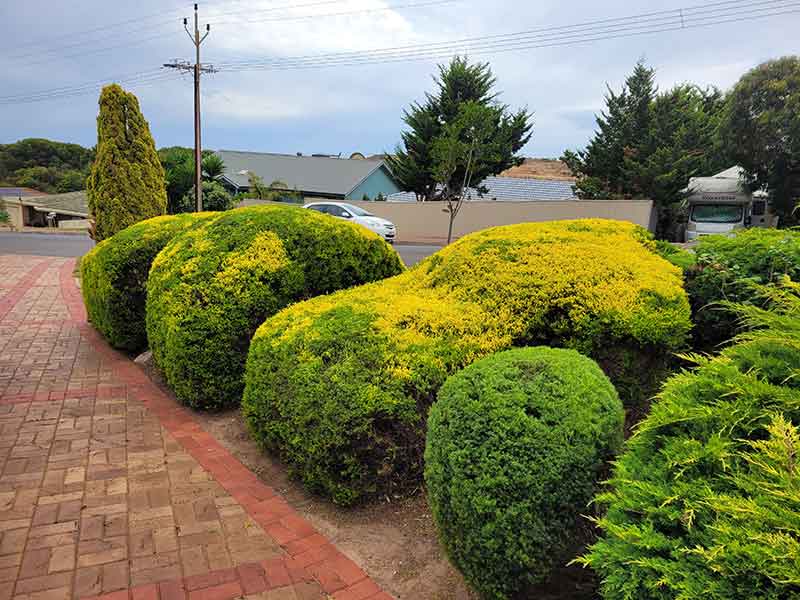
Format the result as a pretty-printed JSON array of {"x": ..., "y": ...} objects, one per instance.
[{"x": 197, "y": 68}]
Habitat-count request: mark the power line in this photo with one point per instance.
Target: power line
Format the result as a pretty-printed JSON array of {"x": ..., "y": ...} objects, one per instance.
[
  {"x": 360, "y": 11},
  {"x": 694, "y": 17},
  {"x": 42, "y": 56},
  {"x": 654, "y": 22}
]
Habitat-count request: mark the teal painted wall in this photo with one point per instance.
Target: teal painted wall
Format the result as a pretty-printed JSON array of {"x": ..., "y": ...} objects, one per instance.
[{"x": 378, "y": 182}]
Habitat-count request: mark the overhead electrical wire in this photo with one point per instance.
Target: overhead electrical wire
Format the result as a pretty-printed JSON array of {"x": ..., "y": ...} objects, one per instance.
[
  {"x": 88, "y": 47},
  {"x": 642, "y": 24},
  {"x": 717, "y": 13}
]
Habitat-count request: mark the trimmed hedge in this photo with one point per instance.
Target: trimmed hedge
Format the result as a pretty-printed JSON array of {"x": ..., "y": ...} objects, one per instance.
[
  {"x": 211, "y": 287},
  {"x": 705, "y": 504},
  {"x": 357, "y": 371},
  {"x": 114, "y": 277},
  {"x": 516, "y": 443},
  {"x": 727, "y": 269}
]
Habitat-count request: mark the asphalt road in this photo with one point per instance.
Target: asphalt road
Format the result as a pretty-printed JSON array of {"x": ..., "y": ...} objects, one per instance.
[{"x": 69, "y": 245}]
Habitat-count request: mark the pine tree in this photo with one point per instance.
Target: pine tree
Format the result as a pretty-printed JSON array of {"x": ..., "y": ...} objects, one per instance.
[
  {"x": 126, "y": 183},
  {"x": 458, "y": 85}
]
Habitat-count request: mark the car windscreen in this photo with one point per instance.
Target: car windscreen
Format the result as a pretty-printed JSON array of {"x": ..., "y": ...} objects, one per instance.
[
  {"x": 717, "y": 213},
  {"x": 359, "y": 212}
]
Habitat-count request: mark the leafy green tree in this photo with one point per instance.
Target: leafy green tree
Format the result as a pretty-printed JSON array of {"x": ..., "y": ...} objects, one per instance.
[
  {"x": 126, "y": 182},
  {"x": 178, "y": 163},
  {"x": 213, "y": 166},
  {"x": 459, "y": 83},
  {"x": 71, "y": 181},
  {"x": 215, "y": 197},
  {"x": 761, "y": 130}
]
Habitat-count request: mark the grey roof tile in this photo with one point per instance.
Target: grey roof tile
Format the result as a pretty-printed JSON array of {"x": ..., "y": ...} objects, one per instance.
[
  {"x": 512, "y": 189},
  {"x": 315, "y": 174}
]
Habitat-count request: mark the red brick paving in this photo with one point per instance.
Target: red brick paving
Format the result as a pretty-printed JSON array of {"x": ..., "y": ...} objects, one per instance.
[{"x": 110, "y": 490}]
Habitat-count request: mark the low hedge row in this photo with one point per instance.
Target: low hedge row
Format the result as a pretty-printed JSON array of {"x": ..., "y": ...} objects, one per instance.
[
  {"x": 210, "y": 288},
  {"x": 704, "y": 504},
  {"x": 727, "y": 269},
  {"x": 516, "y": 444},
  {"x": 114, "y": 277},
  {"x": 357, "y": 371}
]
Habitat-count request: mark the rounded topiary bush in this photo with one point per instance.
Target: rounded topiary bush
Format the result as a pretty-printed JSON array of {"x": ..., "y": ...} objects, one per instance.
[
  {"x": 114, "y": 277},
  {"x": 515, "y": 446},
  {"x": 356, "y": 371},
  {"x": 211, "y": 287}
]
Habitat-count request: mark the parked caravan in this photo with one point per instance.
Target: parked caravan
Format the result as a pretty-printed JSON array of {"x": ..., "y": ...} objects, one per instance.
[{"x": 722, "y": 203}]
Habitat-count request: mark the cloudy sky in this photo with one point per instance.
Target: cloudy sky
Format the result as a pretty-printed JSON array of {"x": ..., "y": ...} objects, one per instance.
[{"x": 65, "y": 47}]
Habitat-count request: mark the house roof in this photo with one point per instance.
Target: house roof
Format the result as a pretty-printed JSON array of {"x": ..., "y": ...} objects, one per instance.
[
  {"x": 16, "y": 192},
  {"x": 75, "y": 204},
  {"x": 511, "y": 189},
  {"x": 314, "y": 174}
]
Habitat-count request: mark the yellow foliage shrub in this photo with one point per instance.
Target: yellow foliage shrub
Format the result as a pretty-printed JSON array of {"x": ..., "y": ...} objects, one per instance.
[{"x": 356, "y": 371}]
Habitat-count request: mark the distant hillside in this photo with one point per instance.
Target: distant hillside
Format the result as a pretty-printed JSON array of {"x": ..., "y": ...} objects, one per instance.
[
  {"x": 45, "y": 165},
  {"x": 540, "y": 168}
]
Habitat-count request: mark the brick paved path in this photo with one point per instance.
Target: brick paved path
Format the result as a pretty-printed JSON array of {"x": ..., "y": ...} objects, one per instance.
[{"x": 111, "y": 489}]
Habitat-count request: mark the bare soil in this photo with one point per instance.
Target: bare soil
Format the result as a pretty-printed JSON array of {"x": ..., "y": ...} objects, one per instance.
[
  {"x": 540, "y": 168},
  {"x": 394, "y": 540}
]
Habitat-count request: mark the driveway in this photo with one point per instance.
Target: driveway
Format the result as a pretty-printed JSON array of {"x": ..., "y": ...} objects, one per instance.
[
  {"x": 69, "y": 245},
  {"x": 111, "y": 490}
]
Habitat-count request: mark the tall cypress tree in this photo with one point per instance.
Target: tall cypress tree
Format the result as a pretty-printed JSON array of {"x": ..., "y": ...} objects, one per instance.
[{"x": 126, "y": 183}]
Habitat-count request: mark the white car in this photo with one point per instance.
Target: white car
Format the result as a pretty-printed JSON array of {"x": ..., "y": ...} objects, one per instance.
[{"x": 350, "y": 212}]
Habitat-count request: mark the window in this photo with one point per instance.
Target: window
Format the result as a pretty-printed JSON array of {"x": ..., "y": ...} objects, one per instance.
[
  {"x": 717, "y": 213},
  {"x": 323, "y": 208},
  {"x": 360, "y": 212},
  {"x": 337, "y": 211}
]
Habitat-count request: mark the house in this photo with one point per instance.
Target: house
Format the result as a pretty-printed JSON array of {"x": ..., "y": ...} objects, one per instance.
[
  {"x": 510, "y": 189},
  {"x": 33, "y": 210},
  {"x": 312, "y": 177}
]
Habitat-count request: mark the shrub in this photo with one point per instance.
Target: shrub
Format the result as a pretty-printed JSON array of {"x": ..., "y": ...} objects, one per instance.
[
  {"x": 727, "y": 268},
  {"x": 704, "y": 502},
  {"x": 515, "y": 445},
  {"x": 357, "y": 371},
  {"x": 678, "y": 257},
  {"x": 126, "y": 182},
  {"x": 215, "y": 196},
  {"x": 212, "y": 286},
  {"x": 114, "y": 277}
]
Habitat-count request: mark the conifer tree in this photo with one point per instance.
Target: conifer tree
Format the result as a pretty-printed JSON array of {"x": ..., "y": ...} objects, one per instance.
[
  {"x": 459, "y": 84},
  {"x": 126, "y": 183}
]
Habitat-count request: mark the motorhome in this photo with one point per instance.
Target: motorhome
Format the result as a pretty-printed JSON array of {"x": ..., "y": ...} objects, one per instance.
[{"x": 722, "y": 203}]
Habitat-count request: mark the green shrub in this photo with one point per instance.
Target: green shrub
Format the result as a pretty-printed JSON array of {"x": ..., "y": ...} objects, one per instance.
[
  {"x": 727, "y": 269},
  {"x": 114, "y": 277},
  {"x": 516, "y": 443},
  {"x": 678, "y": 257},
  {"x": 211, "y": 287},
  {"x": 357, "y": 371},
  {"x": 704, "y": 503}
]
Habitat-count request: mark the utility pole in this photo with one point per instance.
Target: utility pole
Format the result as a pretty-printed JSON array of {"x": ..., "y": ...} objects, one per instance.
[{"x": 197, "y": 68}]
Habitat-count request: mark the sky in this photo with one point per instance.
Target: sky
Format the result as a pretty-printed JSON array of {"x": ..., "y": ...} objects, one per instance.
[{"x": 50, "y": 45}]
